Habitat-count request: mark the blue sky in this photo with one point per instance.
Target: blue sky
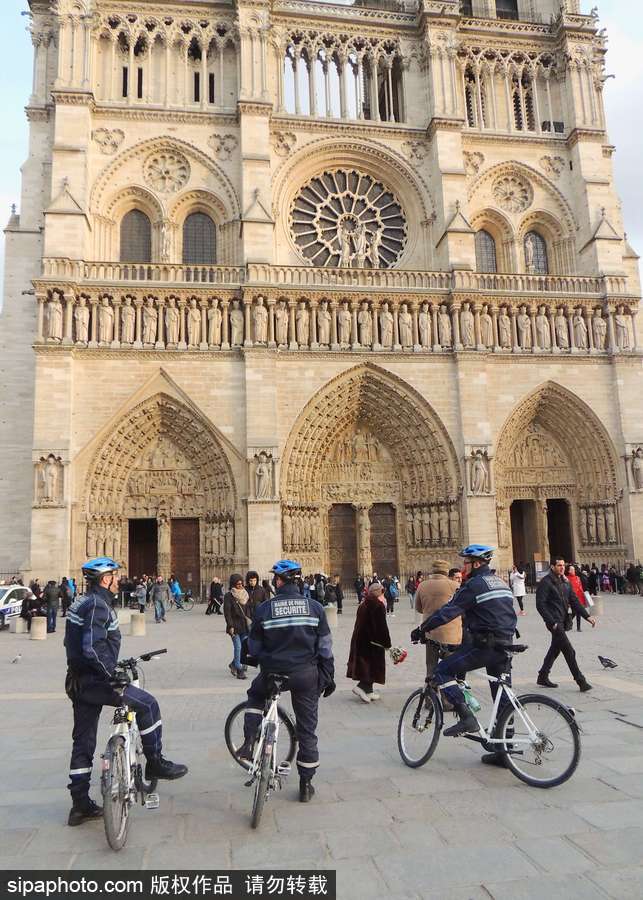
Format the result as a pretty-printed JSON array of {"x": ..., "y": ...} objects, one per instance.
[{"x": 624, "y": 100}]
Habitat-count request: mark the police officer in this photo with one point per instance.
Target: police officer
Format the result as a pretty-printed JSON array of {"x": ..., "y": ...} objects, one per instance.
[
  {"x": 92, "y": 642},
  {"x": 486, "y": 604},
  {"x": 290, "y": 636}
]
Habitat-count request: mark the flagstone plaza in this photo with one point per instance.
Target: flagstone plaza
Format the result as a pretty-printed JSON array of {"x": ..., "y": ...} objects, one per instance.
[{"x": 454, "y": 829}]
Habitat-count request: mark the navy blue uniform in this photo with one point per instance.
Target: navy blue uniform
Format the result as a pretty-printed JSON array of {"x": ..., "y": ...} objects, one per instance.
[
  {"x": 485, "y": 603},
  {"x": 290, "y": 635},
  {"x": 92, "y": 642}
]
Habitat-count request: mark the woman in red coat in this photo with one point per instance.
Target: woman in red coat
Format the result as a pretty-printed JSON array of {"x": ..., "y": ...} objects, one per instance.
[
  {"x": 577, "y": 587},
  {"x": 367, "y": 662}
]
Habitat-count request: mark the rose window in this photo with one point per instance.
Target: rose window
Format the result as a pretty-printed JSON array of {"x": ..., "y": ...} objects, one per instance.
[
  {"x": 167, "y": 172},
  {"x": 513, "y": 194},
  {"x": 348, "y": 219}
]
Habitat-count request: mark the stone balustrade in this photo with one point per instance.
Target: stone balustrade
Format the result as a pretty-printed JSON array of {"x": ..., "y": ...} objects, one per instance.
[{"x": 395, "y": 323}]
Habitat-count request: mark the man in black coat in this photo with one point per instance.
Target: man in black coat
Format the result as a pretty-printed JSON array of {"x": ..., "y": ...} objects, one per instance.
[{"x": 553, "y": 598}]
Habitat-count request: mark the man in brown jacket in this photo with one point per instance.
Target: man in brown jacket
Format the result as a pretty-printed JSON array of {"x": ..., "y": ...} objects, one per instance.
[{"x": 432, "y": 594}]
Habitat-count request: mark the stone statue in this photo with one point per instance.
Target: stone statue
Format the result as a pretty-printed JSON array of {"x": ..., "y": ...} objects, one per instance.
[
  {"x": 281, "y": 324},
  {"x": 435, "y": 525},
  {"x": 361, "y": 245},
  {"x": 543, "y": 333},
  {"x": 591, "y": 525},
  {"x": 444, "y": 327},
  {"x": 287, "y": 530},
  {"x": 454, "y": 523},
  {"x": 374, "y": 249},
  {"x": 417, "y": 526},
  {"x": 150, "y": 320},
  {"x": 486, "y": 328},
  {"x": 260, "y": 321},
  {"x": 582, "y": 525},
  {"x": 323, "y": 324},
  {"x": 479, "y": 473},
  {"x": 504, "y": 329},
  {"x": 105, "y": 322},
  {"x": 215, "y": 318},
  {"x": 128, "y": 321},
  {"x": 622, "y": 323},
  {"x": 405, "y": 324},
  {"x": 599, "y": 327},
  {"x": 637, "y": 468},
  {"x": 386, "y": 327},
  {"x": 467, "y": 332},
  {"x": 410, "y": 540},
  {"x": 166, "y": 240},
  {"x": 426, "y": 526},
  {"x": 561, "y": 329},
  {"x": 171, "y": 322},
  {"x": 236, "y": 325},
  {"x": 303, "y": 324},
  {"x": 501, "y": 522},
  {"x": 365, "y": 322},
  {"x": 50, "y": 479},
  {"x": 81, "y": 320},
  {"x": 524, "y": 329},
  {"x": 164, "y": 538},
  {"x": 296, "y": 529},
  {"x": 424, "y": 324},
  {"x": 610, "y": 521},
  {"x": 229, "y": 538},
  {"x": 345, "y": 248},
  {"x": 263, "y": 477},
  {"x": 344, "y": 325},
  {"x": 529, "y": 252},
  {"x": 443, "y": 514},
  {"x": 580, "y": 330},
  {"x": 91, "y": 541},
  {"x": 601, "y": 531},
  {"x": 194, "y": 324},
  {"x": 55, "y": 323}
]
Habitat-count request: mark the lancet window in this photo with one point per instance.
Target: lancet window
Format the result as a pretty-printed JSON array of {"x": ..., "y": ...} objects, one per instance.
[
  {"x": 486, "y": 259},
  {"x": 199, "y": 240},
  {"x": 136, "y": 237}
]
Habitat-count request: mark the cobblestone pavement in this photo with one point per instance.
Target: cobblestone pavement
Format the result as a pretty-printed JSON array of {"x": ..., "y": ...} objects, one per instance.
[{"x": 452, "y": 830}]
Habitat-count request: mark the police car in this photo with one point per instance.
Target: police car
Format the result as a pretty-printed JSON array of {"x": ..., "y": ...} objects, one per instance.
[{"x": 11, "y": 597}]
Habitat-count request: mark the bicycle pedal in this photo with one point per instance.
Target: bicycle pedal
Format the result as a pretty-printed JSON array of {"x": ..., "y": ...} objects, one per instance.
[
  {"x": 152, "y": 801},
  {"x": 249, "y": 783},
  {"x": 284, "y": 768}
]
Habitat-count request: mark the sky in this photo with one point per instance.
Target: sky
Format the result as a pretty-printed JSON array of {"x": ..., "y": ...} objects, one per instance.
[{"x": 623, "y": 98}]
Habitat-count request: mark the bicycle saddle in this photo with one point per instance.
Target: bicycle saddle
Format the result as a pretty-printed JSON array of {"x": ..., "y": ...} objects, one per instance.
[
  {"x": 277, "y": 683},
  {"x": 515, "y": 648}
]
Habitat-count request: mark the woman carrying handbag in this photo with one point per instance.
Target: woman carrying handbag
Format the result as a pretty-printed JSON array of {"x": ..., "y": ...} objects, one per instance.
[{"x": 238, "y": 616}]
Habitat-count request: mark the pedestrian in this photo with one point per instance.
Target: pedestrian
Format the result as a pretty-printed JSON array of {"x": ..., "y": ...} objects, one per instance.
[
  {"x": 411, "y": 588},
  {"x": 632, "y": 577},
  {"x": 215, "y": 598},
  {"x": 176, "y": 592},
  {"x": 35, "y": 588},
  {"x": 160, "y": 597},
  {"x": 517, "y": 581},
  {"x": 455, "y": 575},
  {"x": 140, "y": 594},
  {"x": 66, "y": 596},
  {"x": 256, "y": 592},
  {"x": 330, "y": 595},
  {"x": 554, "y": 596},
  {"x": 593, "y": 580},
  {"x": 238, "y": 620},
  {"x": 268, "y": 588},
  {"x": 370, "y": 640},
  {"x": 339, "y": 594},
  {"x": 432, "y": 594},
  {"x": 30, "y": 609},
  {"x": 577, "y": 587},
  {"x": 359, "y": 585},
  {"x": 51, "y": 596}
]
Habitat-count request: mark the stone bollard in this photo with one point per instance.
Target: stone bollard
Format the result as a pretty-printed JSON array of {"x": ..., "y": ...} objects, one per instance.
[
  {"x": 598, "y": 608},
  {"x": 137, "y": 624},
  {"x": 17, "y": 625},
  {"x": 124, "y": 618},
  {"x": 331, "y": 615},
  {"x": 39, "y": 628}
]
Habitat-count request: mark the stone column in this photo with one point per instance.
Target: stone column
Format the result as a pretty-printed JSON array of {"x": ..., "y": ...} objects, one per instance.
[
  {"x": 292, "y": 306},
  {"x": 552, "y": 330},
  {"x": 271, "y": 322},
  {"x": 494, "y": 329},
  {"x": 611, "y": 334},
  {"x": 40, "y": 327},
  {"x": 204, "y": 323},
  {"x": 569, "y": 312},
  {"x": 364, "y": 539},
  {"x": 477, "y": 307},
  {"x": 532, "y": 319},
  {"x": 354, "y": 335},
  {"x": 455, "y": 325},
  {"x": 434, "y": 324},
  {"x": 247, "y": 304},
  {"x": 138, "y": 335},
  {"x": 313, "y": 304},
  {"x": 67, "y": 326},
  {"x": 333, "y": 325},
  {"x": 396, "y": 327},
  {"x": 182, "y": 344},
  {"x": 376, "y": 324},
  {"x": 416, "y": 330},
  {"x": 515, "y": 346},
  {"x": 225, "y": 324},
  {"x": 93, "y": 336},
  {"x": 160, "y": 325},
  {"x": 635, "y": 345},
  {"x": 116, "y": 303},
  {"x": 590, "y": 330}
]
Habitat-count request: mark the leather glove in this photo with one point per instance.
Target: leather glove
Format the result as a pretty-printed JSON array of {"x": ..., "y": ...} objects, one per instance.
[
  {"x": 329, "y": 689},
  {"x": 417, "y": 636},
  {"x": 119, "y": 679}
]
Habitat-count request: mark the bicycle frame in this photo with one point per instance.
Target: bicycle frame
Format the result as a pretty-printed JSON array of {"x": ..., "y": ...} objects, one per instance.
[
  {"x": 269, "y": 718},
  {"x": 504, "y": 690}
]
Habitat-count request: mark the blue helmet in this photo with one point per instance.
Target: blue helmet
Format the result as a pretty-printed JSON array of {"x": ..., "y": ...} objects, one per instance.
[
  {"x": 286, "y": 568},
  {"x": 99, "y": 566},
  {"x": 477, "y": 551}
]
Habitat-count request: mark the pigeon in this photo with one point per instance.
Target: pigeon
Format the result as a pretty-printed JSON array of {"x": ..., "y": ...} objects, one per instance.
[
  {"x": 607, "y": 663},
  {"x": 17, "y": 658}
]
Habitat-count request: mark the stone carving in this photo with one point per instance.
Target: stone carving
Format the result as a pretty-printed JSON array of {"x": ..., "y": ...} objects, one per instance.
[
  {"x": 622, "y": 324},
  {"x": 283, "y": 142},
  {"x": 504, "y": 329},
  {"x": 172, "y": 326},
  {"x": 601, "y": 530},
  {"x": 323, "y": 324},
  {"x": 109, "y": 140},
  {"x": 55, "y": 319},
  {"x": 454, "y": 523},
  {"x": 444, "y": 327},
  {"x": 194, "y": 324},
  {"x": 260, "y": 322},
  {"x": 150, "y": 320},
  {"x": 167, "y": 171},
  {"x": 302, "y": 319},
  {"x": 215, "y": 319},
  {"x": 580, "y": 330},
  {"x": 543, "y": 332},
  {"x": 128, "y": 321},
  {"x": 386, "y": 327},
  {"x": 49, "y": 480},
  {"x": 552, "y": 165},
  {"x": 281, "y": 324},
  {"x": 486, "y": 328},
  {"x": 473, "y": 162},
  {"x": 415, "y": 150},
  {"x": 365, "y": 323},
  {"x": 236, "y": 325},
  {"x": 424, "y": 326},
  {"x": 530, "y": 250},
  {"x": 344, "y": 325},
  {"x": 562, "y": 330},
  {"x": 105, "y": 322},
  {"x": 610, "y": 523},
  {"x": 479, "y": 472},
  {"x": 166, "y": 242},
  {"x": 81, "y": 321},
  {"x": 223, "y": 145},
  {"x": 338, "y": 215},
  {"x": 405, "y": 324},
  {"x": 513, "y": 193},
  {"x": 524, "y": 329},
  {"x": 434, "y": 525},
  {"x": 582, "y": 525},
  {"x": 502, "y": 525},
  {"x": 263, "y": 475},
  {"x": 599, "y": 328},
  {"x": 637, "y": 468},
  {"x": 301, "y": 529},
  {"x": 467, "y": 332}
]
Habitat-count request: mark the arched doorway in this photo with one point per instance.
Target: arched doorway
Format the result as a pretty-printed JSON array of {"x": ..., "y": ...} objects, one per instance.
[
  {"x": 556, "y": 480},
  {"x": 370, "y": 480},
  {"x": 160, "y": 496}
]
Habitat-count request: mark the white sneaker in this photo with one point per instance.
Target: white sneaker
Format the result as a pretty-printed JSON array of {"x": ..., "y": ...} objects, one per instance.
[
  {"x": 362, "y": 694},
  {"x": 374, "y": 696}
]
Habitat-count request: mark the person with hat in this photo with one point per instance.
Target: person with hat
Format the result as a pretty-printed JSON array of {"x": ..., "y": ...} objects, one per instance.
[
  {"x": 370, "y": 640},
  {"x": 432, "y": 594}
]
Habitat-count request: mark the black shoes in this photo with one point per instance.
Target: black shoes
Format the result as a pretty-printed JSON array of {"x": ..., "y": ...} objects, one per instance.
[
  {"x": 306, "y": 790},
  {"x": 164, "y": 769},
  {"x": 83, "y": 812},
  {"x": 246, "y": 752},
  {"x": 468, "y": 724},
  {"x": 543, "y": 681},
  {"x": 494, "y": 759},
  {"x": 584, "y": 687}
]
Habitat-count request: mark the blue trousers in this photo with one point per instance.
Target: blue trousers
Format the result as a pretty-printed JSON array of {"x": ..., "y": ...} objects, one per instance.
[
  {"x": 90, "y": 699},
  {"x": 466, "y": 659},
  {"x": 52, "y": 612}
]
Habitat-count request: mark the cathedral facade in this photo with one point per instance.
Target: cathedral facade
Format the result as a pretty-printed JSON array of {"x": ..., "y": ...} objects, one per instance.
[{"x": 345, "y": 283}]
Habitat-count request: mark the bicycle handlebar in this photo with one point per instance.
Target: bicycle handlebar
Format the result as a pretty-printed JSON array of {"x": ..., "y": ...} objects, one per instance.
[{"x": 145, "y": 657}]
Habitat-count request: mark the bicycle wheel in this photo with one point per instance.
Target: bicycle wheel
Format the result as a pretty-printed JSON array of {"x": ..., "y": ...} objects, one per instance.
[
  {"x": 188, "y": 603},
  {"x": 234, "y": 734},
  {"x": 262, "y": 782},
  {"x": 418, "y": 730},
  {"x": 553, "y": 756},
  {"x": 115, "y": 791}
]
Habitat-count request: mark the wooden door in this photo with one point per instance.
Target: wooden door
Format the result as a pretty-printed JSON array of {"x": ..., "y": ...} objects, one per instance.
[
  {"x": 143, "y": 547},
  {"x": 342, "y": 535},
  {"x": 383, "y": 539},
  {"x": 186, "y": 554}
]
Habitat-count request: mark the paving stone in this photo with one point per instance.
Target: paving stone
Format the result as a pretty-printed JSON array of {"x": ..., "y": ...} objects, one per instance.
[
  {"x": 553, "y": 888},
  {"x": 611, "y": 815},
  {"x": 612, "y": 848},
  {"x": 621, "y": 883},
  {"x": 555, "y": 855}
]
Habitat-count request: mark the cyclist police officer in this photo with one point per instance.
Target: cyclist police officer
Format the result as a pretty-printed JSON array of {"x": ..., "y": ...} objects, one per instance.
[
  {"x": 92, "y": 642},
  {"x": 290, "y": 636},
  {"x": 486, "y": 604}
]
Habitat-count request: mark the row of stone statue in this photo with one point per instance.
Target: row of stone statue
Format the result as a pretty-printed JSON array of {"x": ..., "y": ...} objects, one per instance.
[
  {"x": 104, "y": 535},
  {"x": 204, "y": 324},
  {"x": 301, "y": 529},
  {"x": 218, "y": 538},
  {"x": 598, "y": 525},
  {"x": 437, "y": 525}
]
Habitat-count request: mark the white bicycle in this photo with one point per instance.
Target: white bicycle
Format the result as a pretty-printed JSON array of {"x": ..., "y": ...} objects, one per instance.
[{"x": 123, "y": 762}]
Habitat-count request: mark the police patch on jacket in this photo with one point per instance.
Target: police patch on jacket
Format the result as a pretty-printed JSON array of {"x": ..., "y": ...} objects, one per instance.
[{"x": 285, "y": 611}]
